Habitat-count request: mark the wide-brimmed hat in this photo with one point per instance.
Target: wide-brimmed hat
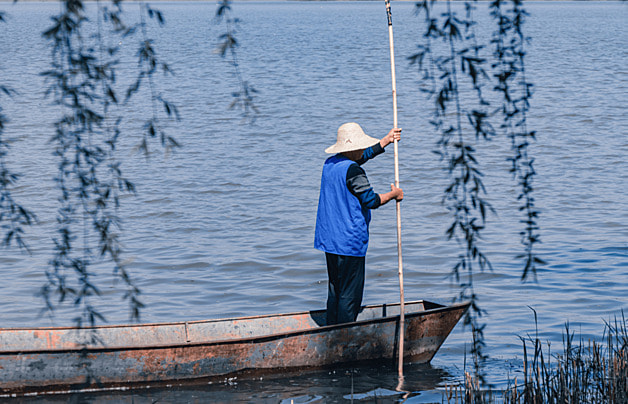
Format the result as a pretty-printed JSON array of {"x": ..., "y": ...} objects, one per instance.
[{"x": 351, "y": 137}]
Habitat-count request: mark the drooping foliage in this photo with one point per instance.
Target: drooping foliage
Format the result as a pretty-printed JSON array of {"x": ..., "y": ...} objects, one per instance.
[
  {"x": 509, "y": 51},
  {"x": 82, "y": 84},
  {"x": 243, "y": 97},
  {"x": 457, "y": 68},
  {"x": 13, "y": 216}
]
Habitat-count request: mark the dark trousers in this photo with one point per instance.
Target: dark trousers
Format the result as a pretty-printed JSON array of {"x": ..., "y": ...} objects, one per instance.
[{"x": 346, "y": 284}]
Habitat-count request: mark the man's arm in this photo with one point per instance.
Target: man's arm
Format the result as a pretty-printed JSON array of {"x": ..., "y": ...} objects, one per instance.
[
  {"x": 395, "y": 193},
  {"x": 393, "y": 134},
  {"x": 359, "y": 185},
  {"x": 369, "y": 153}
]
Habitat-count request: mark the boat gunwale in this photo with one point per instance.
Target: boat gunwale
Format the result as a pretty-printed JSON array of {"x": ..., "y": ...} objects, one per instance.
[
  {"x": 261, "y": 338},
  {"x": 210, "y": 320}
]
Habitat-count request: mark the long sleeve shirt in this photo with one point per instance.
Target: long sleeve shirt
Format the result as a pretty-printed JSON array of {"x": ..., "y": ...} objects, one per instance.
[{"x": 358, "y": 183}]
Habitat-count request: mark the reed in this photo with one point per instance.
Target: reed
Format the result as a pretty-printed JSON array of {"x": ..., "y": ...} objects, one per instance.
[{"x": 583, "y": 372}]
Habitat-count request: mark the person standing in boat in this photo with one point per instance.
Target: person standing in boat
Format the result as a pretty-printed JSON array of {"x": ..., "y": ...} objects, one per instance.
[{"x": 342, "y": 221}]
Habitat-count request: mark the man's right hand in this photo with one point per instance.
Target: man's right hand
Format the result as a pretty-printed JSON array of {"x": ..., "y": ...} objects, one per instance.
[{"x": 397, "y": 192}]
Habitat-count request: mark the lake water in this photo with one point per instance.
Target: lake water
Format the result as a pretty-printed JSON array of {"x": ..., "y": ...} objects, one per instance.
[{"x": 224, "y": 227}]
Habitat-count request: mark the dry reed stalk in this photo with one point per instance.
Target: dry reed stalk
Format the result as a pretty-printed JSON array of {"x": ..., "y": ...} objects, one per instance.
[{"x": 582, "y": 373}]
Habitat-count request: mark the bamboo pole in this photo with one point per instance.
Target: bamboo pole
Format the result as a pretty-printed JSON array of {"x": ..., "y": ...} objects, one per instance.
[{"x": 402, "y": 318}]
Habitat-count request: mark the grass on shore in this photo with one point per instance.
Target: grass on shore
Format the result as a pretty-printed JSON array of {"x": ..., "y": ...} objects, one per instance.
[{"x": 582, "y": 373}]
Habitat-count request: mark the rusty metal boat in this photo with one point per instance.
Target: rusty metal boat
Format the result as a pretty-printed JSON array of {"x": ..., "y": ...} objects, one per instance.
[{"x": 62, "y": 359}]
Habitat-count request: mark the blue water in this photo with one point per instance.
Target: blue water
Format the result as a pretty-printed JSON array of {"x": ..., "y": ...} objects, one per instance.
[{"x": 224, "y": 226}]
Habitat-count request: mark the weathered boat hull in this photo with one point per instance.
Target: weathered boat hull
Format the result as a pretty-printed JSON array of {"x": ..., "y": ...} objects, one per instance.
[{"x": 61, "y": 359}]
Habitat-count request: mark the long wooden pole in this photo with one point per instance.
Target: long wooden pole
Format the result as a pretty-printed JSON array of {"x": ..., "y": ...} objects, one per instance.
[{"x": 402, "y": 317}]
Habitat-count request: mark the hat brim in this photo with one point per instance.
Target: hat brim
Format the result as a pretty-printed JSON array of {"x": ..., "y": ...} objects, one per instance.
[{"x": 364, "y": 142}]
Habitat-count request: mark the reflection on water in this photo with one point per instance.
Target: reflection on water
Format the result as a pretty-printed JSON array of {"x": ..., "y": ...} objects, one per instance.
[{"x": 376, "y": 382}]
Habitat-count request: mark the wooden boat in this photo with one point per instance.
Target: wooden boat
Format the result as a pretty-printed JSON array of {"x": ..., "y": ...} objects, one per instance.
[{"x": 62, "y": 359}]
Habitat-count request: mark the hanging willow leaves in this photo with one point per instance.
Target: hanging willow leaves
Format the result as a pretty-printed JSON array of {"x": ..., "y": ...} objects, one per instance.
[
  {"x": 509, "y": 53},
  {"x": 149, "y": 65},
  {"x": 13, "y": 216},
  {"x": 243, "y": 98},
  {"x": 82, "y": 84},
  {"x": 451, "y": 62}
]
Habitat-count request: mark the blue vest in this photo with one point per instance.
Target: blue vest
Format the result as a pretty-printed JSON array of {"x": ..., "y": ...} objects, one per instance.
[{"x": 342, "y": 224}]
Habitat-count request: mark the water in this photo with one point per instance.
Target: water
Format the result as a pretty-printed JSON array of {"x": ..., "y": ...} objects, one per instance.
[{"x": 224, "y": 227}]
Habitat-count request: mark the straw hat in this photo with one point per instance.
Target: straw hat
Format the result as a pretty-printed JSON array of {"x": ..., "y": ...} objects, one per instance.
[{"x": 351, "y": 137}]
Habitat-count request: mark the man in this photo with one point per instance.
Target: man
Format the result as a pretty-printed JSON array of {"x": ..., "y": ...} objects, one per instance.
[{"x": 343, "y": 217}]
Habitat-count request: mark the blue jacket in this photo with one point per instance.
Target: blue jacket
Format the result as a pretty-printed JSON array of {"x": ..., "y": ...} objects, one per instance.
[{"x": 342, "y": 222}]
